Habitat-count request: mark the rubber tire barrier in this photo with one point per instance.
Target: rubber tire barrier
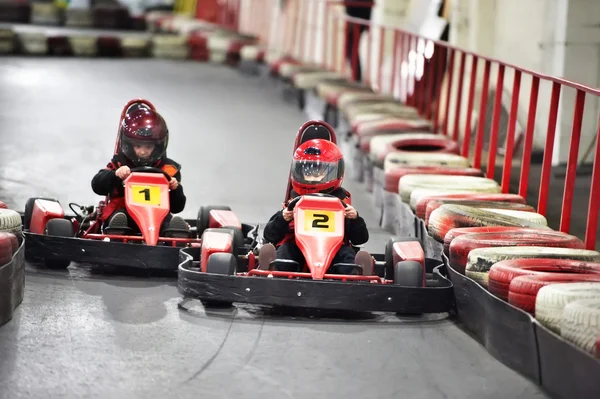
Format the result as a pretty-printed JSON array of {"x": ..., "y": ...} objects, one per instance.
[
  {"x": 391, "y": 126},
  {"x": 433, "y": 144},
  {"x": 580, "y": 323},
  {"x": 477, "y": 184},
  {"x": 481, "y": 260},
  {"x": 421, "y": 205},
  {"x": 396, "y": 160},
  {"x": 10, "y": 221},
  {"x": 530, "y": 217},
  {"x": 12, "y": 283},
  {"x": 450, "y": 216},
  {"x": 379, "y": 147},
  {"x": 6, "y": 247},
  {"x": 551, "y": 293},
  {"x": 435, "y": 204},
  {"x": 463, "y": 245},
  {"x": 502, "y": 273},
  {"x": 392, "y": 177},
  {"x": 458, "y": 232}
]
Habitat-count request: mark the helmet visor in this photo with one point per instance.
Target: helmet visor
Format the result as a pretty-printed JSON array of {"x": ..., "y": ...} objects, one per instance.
[
  {"x": 141, "y": 152},
  {"x": 314, "y": 172}
]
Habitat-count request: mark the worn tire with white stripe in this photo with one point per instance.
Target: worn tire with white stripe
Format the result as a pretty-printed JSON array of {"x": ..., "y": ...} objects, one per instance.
[
  {"x": 480, "y": 260},
  {"x": 529, "y": 217},
  {"x": 409, "y": 183},
  {"x": 451, "y": 216},
  {"x": 395, "y": 160},
  {"x": 580, "y": 323},
  {"x": 10, "y": 222},
  {"x": 379, "y": 144},
  {"x": 551, "y": 301}
]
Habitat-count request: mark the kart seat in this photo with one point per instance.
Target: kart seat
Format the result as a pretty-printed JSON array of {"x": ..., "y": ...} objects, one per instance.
[{"x": 316, "y": 131}]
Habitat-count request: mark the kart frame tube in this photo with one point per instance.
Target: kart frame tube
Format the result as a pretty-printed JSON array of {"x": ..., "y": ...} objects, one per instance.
[{"x": 307, "y": 293}]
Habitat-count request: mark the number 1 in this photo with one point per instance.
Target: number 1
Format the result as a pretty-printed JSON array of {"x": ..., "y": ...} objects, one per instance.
[{"x": 146, "y": 193}]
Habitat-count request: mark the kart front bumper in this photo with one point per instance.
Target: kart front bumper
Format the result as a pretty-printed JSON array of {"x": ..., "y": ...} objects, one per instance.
[
  {"x": 98, "y": 252},
  {"x": 305, "y": 293}
]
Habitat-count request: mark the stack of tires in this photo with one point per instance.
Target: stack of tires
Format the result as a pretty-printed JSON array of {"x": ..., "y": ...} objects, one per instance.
[
  {"x": 7, "y": 41},
  {"x": 46, "y": 13},
  {"x": 12, "y": 262}
]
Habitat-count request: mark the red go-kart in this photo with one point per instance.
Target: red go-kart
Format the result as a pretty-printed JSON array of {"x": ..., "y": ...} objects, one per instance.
[
  {"x": 57, "y": 239},
  {"x": 400, "y": 280}
]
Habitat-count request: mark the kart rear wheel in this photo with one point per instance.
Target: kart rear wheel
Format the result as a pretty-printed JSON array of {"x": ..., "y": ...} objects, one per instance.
[
  {"x": 221, "y": 263},
  {"x": 29, "y": 210},
  {"x": 60, "y": 228},
  {"x": 204, "y": 214}
]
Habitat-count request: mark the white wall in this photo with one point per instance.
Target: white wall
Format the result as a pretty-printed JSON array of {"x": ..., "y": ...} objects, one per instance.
[{"x": 554, "y": 37}]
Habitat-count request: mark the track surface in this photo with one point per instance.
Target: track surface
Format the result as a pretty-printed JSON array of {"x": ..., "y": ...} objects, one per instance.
[{"x": 79, "y": 334}]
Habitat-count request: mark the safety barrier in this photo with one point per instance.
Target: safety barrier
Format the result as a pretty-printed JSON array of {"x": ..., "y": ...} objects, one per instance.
[{"x": 458, "y": 90}]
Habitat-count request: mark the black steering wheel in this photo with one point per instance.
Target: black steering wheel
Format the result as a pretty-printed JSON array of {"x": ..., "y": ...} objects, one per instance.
[
  {"x": 293, "y": 203},
  {"x": 149, "y": 169}
]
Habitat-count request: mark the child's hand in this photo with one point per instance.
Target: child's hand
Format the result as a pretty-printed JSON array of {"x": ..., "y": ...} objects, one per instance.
[
  {"x": 123, "y": 172},
  {"x": 350, "y": 212},
  {"x": 288, "y": 215},
  {"x": 173, "y": 183}
]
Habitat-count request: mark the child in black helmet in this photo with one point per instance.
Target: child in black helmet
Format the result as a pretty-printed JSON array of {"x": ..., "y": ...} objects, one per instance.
[{"x": 143, "y": 139}]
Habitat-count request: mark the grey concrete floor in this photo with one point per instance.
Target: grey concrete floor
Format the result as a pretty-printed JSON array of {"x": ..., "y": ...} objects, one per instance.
[{"x": 79, "y": 334}]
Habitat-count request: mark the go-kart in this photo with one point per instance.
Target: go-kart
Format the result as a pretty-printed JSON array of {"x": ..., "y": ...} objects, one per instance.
[
  {"x": 400, "y": 280},
  {"x": 58, "y": 239}
]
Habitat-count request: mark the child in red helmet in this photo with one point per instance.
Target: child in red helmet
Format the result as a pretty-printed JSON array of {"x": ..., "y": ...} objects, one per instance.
[
  {"x": 317, "y": 167},
  {"x": 143, "y": 139}
]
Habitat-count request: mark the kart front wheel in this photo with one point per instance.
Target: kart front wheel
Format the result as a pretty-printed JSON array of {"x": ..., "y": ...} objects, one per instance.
[
  {"x": 59, "y": 228},
  {"x": 221, "y": 263},
  {"x": 408, "y": 273}
]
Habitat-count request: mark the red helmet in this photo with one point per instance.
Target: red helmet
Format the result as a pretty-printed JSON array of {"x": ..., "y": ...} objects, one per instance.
[
  {"x": 317, "y": 166},
  {"x": 143, "y": 135}
]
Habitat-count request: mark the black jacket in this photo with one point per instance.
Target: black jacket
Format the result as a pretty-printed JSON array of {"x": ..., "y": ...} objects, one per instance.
[
  {"x": 277, "y": 228},
  {"x": 106, "y": 182}
]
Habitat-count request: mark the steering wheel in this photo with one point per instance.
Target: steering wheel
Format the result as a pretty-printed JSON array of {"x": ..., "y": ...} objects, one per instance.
[
  {"x": 148, "y": 169},
  {"x": 293, "y": 203}
]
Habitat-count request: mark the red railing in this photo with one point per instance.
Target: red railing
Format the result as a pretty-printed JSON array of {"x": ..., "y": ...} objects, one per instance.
[{"x": 426, "y": 73}]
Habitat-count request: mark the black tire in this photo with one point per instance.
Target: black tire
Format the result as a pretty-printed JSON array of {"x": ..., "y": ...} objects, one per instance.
[
  {"x": 389, "y": 254},
  {"x": 222, "y": 263},
  {"x": 60, "y": 228},
  {"x": 29, "y": 210},
  {"x": 408, "y": 273},
  {"x": 237, "y": 242},
  {"x": 204, "y": 214}
]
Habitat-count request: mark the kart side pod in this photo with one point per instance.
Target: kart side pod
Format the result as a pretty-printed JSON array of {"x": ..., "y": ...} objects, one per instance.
[
  {"x": 43, "y": 211},
  {"x": 221, "y": 218}
]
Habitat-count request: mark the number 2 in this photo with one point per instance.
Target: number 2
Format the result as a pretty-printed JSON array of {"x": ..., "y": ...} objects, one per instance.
[
  {"x": 146, "y": 193},
  {"x": 319, "y": 221}
]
